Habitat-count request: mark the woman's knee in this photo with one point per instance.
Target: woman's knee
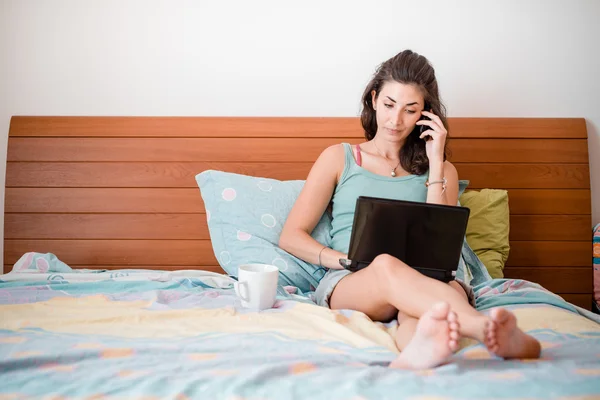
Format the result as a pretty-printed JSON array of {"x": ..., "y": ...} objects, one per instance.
[
  {"x": 458, "y": 287},
  {"x": 388, "y": 267}
]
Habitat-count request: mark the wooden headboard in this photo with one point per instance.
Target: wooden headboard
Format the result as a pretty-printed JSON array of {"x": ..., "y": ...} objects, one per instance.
[{"x": 119, "y": 192}]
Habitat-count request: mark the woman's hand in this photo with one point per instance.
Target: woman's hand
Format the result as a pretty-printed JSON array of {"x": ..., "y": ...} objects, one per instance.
[
  {"x": 331, "y": 258},
  {"x": 434, "y": 147}
]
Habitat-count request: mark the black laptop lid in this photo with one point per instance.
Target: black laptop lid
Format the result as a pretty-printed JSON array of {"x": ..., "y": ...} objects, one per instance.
[{"x": 422, "y": 235}]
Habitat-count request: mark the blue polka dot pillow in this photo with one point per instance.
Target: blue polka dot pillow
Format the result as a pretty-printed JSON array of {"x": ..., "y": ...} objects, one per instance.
[{"x": 245, "y": 217}]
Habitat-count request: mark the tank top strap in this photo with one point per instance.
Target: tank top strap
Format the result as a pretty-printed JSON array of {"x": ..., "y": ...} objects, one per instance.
[
  {"x": 349, "y": 163},
  {"x": 347, "y": 153}
]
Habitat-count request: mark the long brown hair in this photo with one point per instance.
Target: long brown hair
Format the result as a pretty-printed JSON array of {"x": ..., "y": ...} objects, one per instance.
[{"x": 406, "y": 67}]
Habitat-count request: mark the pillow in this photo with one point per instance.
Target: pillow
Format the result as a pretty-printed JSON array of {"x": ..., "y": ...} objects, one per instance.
[
  {"x": 245, "y": 217},
  {"x": 462, "y": 185},
  {"x": 488, "y": 228}
]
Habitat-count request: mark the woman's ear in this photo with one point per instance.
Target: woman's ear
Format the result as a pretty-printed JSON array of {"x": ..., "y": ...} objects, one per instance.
[{"x": 373, "y": 98}]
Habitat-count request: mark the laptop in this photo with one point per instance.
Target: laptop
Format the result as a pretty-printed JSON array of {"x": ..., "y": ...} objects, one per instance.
[{"x": 427, "y": 237}]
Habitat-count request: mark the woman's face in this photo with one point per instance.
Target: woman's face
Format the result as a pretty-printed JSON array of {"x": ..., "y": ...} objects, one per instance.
[{"x": 398, "y": 108}]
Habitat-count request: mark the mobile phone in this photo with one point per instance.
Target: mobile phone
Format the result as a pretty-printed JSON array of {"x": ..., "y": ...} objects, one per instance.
[{"x": 424, "y": 128}]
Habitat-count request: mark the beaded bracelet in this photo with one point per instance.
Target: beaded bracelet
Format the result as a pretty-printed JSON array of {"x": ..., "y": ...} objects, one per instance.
[{"x": 443, "y": 182}]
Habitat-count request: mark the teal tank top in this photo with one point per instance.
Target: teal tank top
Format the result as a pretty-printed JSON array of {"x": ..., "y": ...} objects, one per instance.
[{"x": 357, "y": 181}]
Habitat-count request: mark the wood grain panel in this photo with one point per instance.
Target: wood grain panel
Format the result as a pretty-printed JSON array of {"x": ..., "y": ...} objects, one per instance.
[
  {"x": 274, "y": 150},
  {"x": 279, "y": 127},
  {"x": 189, "y": 253},
  {"x": 549, "y": 201},
  {"x": 525, "y": 176},
  {"x": 105, "y": 226},
  {"x": 167, "y": 200},
  {"x": 169, "y": 149},
  {"x": 210, "y": 268},
  {"x": 135, "y": 174},
  {"x": 194, "y": 226},
  {"x": 242, "y": 127},
  {"x": 199, "y": 252},
  {"x": 555, "y": 279},
  {"x": 581, "y": 300},
  {"x": 540, "y": 254},
  {"x": 518, "y": 150},
  {"x": 168, "y": 174},
  {"x": 518, "y": 128},
  {"x": 103, "y": 200},
  {"x": 550, "y": 227}
]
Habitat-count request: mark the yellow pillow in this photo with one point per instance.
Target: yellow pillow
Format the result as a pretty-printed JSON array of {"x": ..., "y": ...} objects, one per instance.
[{"x": 488, "y": 228}]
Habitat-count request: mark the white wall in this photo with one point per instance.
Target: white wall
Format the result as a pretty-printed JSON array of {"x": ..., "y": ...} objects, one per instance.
[{"x": 510, "y": 58}]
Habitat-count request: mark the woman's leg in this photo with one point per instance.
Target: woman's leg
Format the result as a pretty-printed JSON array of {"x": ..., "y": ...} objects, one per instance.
[
  {"x": 407, "y": 325},
  {"x": 428, "y": 341},
  {"x": 390, "y": 282},
  {"x": 438, "y": 333}
]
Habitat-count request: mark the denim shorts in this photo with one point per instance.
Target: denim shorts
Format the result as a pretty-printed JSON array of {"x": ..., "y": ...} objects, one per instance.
[{"x": 334, "y": 276}]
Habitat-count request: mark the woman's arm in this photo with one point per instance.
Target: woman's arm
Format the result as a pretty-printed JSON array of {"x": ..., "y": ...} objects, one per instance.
[
  {"x": 309, "y": 208},
  {"x": 438, "y": 168},
  {"x": 434, "y": 192}
]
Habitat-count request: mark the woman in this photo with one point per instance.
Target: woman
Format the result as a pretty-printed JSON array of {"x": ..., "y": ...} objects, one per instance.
[{"x": 404, "y": 157}]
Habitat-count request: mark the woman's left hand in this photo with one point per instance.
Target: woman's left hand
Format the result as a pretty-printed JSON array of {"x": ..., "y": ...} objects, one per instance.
[{"x": 434, "y": 147}]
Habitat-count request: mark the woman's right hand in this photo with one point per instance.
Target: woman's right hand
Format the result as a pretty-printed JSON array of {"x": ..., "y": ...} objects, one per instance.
[{"x": 330, "y": 258}]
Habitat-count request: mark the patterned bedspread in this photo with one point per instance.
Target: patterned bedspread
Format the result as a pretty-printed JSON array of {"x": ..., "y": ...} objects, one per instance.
[{"x": 183, "y": 335}]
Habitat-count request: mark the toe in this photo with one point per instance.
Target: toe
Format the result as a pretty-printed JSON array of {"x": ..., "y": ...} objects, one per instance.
[
  {"x": 440, "y": 310},
  {"x": 452, "y": 317},
  {"x": 499, "y": 315},
  {"x": 494, "y": 313},
  {"x": 454, "y": 335},
  {"x": 454, "y": 326},
  {"x": 453, "y": 344}
]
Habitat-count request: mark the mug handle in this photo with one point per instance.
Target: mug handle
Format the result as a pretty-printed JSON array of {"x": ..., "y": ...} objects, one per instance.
[{"x": 238, "y": 290}]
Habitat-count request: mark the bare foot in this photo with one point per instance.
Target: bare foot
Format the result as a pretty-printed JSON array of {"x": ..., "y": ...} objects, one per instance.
[
  {"x": 435, "y": 339},
  {"x": 505, "y": 339}
]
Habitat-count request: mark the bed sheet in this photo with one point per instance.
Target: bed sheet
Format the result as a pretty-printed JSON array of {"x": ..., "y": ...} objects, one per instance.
[{"x": 183, "y": 335}]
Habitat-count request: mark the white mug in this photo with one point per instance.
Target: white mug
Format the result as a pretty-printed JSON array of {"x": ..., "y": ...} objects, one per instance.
[{"x": 257, "y": 285}]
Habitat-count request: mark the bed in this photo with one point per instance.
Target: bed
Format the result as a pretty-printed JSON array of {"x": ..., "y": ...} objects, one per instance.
[{"x": 112, "y": 288}]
